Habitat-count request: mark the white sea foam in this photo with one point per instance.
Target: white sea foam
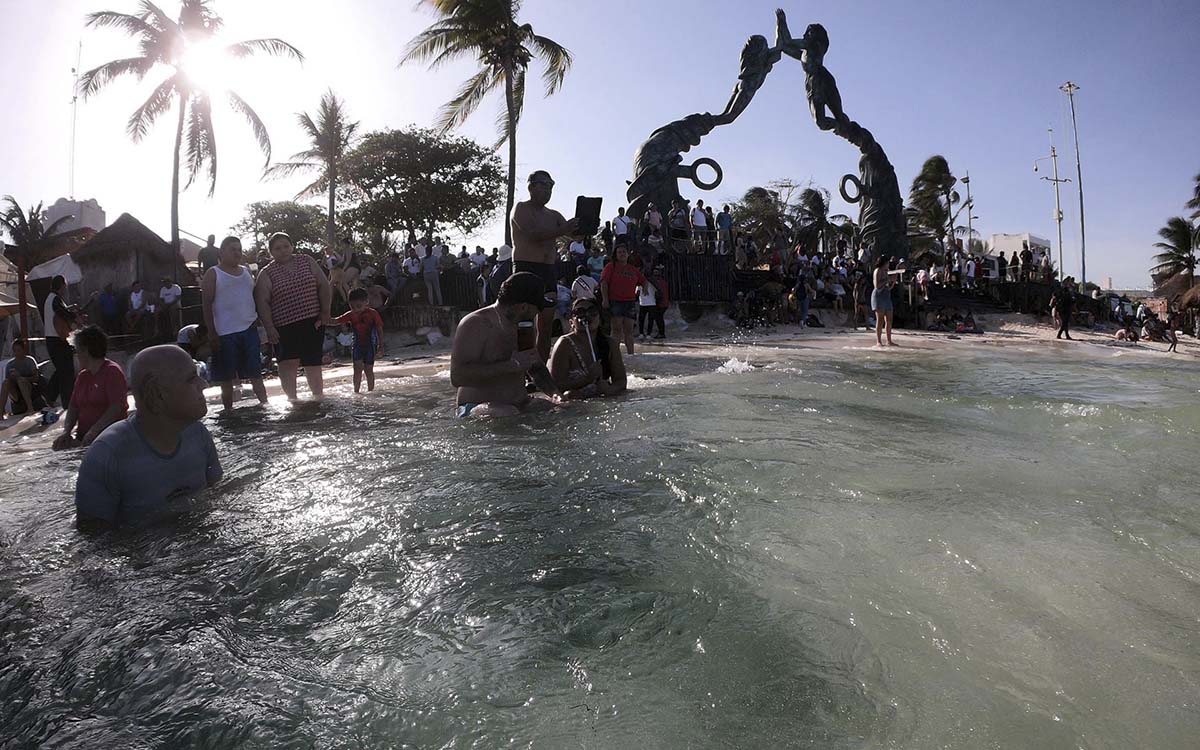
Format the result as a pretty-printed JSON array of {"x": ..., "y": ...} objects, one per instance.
[{"x": 735, "y": 366}]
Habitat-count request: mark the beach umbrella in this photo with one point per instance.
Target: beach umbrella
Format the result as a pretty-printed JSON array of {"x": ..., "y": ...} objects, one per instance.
[{"x": 10, "y": 306}]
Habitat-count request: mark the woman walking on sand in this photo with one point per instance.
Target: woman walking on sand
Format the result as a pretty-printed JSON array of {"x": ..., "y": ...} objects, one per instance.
[{"x": 881, "y": 300}]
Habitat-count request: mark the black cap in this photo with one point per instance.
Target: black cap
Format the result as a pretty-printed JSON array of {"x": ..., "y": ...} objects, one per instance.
[{"x": 524, "y": 288}]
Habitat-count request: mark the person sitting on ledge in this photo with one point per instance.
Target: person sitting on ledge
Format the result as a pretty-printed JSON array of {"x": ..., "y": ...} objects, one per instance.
[
  {"x": 22, "y": 383},
  {"x": 586, "y": 362},
  {"x": 487, "y": 365},
  {"x": 161, "y": 453}
]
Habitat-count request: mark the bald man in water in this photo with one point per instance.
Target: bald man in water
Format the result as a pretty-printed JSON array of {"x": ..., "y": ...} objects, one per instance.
[
  {"x": 535, "y": 227},
  {"x": 160, "y": 453}
]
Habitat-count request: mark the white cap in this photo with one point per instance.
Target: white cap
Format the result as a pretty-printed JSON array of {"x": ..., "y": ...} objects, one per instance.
[{"x": 505, "y": 252}]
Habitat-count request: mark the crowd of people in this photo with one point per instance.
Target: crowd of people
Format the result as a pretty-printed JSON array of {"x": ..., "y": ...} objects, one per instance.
[{"x": 557, "y": 317}]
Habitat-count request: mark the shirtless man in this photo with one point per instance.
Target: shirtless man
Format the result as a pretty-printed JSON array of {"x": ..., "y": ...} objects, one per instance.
[
  {"x": 535, "y": 229},
  {"x": 485, "y": 364}
]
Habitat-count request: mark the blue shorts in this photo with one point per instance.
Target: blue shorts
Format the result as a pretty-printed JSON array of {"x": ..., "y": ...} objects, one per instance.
[
  {"x": 365, "y": 346},
  {"x": 462, "y": 411},
  {"x": 881, "y": 300},
  {"x": 624, "y": 309},
  {"x": 240, "y": 357}
]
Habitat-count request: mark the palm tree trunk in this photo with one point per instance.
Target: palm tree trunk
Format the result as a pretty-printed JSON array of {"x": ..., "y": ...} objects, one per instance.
[
  {"x": 175, "y": 247},
  {"x": 21, "y": 298},
  {"x": 512, "y": 157},
  {"x": 329, "y": 223}
]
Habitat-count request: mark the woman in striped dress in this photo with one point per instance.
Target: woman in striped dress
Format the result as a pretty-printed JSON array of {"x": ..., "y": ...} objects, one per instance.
[{"x": 293, "y": 298}]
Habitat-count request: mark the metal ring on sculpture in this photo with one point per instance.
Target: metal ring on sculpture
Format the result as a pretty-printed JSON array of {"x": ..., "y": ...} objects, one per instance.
[
  {"x": 857, "y": 184},
  {"x": 695, "y": 173}
]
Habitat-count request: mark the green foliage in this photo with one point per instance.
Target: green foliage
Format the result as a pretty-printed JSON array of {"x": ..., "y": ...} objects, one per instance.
[
  {"x": 26, "y": 229},
  {"x": 488, "y": 31},
  {"x": 813, "y": 222},
  {"x": 330, "y": 137},
  {"x": 305, "y": 224},
  {"x": 931, "y": 208},
  {"x": 1178, "y": 248},
  {"x": 421, "y": 182}
]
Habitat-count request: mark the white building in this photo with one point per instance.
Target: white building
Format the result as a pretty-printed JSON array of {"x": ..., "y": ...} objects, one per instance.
[
  {"x": 1015, "y": 244},
  {"x": 83, "y": 214}
]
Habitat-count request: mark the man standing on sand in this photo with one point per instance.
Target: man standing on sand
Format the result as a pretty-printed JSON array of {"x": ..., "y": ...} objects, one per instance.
[
  {"x": 487, "y": 365},
  {"x": 535, "y": 229}
]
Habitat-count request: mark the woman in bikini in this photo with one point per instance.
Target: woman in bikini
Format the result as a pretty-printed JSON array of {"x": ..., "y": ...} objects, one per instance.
[{"x": 586, "y": 363}]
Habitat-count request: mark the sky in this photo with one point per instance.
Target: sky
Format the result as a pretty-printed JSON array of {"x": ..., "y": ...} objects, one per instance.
[{"x": 975, "y": 82}]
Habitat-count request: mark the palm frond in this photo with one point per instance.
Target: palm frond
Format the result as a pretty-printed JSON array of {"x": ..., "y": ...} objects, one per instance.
[
  {"x": 283, "y": 170},
  {"x": 273, "y": 47},
  {"x": 557, "y": 60},
  {"x": 309, "y": 127},
  {"x": 158, "y": 104},
  {"x": 1194, "y": 203},
  {"x": 260, "y": 131},
  {"x": 151, "y": 12},
  {"x": 201, "y": 142},
  {"x": 438, "y": 44},
  {"x": 518, "y": 108},
  {"x": 313, "y": 190},
  {"x": 99, "y": 77},
  {"x": 131, "y": 25},
  {"x": 472, "y": 93}
]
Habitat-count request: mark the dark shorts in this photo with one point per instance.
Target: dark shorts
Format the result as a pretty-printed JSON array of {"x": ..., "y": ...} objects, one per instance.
[
  {"x": 302, "y": 340},
  {"x": 240, "y": 357},
  {"x": 624, "y": 309},
  {"x": 365, "y": 346},
  {"x": 547, "y": 272}
]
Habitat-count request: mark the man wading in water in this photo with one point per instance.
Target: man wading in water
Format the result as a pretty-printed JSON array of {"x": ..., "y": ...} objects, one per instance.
[
  {"x": 487, "y": 365},
  {"x": 534, "y": 230}
]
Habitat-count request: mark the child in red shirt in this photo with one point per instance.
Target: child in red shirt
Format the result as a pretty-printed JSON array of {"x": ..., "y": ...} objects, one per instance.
[{"x": 368, "y": 337}]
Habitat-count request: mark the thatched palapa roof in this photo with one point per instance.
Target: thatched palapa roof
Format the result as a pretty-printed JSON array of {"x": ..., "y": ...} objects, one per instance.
[
  {"x": 124, "y": 235},
  {"x": 1190, "y": 298}
]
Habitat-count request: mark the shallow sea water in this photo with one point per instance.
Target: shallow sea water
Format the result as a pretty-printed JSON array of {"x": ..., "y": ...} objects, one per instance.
[{"x": 760, "y": 547}]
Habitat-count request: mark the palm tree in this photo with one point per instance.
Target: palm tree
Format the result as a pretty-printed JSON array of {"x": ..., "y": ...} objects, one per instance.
[
  {"x": 1194, "y": 203},
  {"x": 488, "y": 31},
  {"x": 29, "y": 235},
  {"x": 330, "y": 137},
  {"x": 1178, "y": 249},
  {"x": 162, "y": 41},
  {"x": 932, "y": 199},
  {"x": 849, "y": 230},
  {"x": 813, "y": 221}
]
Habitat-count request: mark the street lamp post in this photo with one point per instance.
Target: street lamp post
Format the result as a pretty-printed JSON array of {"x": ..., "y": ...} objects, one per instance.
[
  {"x": 1070, "y": 89},
  {"x": 1058, "y": 214},
  {"x": 966, "y": 180}
]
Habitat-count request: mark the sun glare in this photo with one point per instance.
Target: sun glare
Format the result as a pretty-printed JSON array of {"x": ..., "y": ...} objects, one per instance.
[{"x": 207, "y": 66}]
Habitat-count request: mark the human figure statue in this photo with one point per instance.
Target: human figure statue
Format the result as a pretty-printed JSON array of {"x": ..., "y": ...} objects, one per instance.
[
  {"x": 819, "y": 84},
  {"x": 757, "y": 61}
]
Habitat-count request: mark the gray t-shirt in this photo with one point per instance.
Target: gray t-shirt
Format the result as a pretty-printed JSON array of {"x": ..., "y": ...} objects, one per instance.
[
  {"x": 25, "y": 367},
  {"x": 123, "y": 480}
]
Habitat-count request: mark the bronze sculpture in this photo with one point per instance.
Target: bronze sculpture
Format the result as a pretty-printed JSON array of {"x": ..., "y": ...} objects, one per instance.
[{"x": 658, "y": 164}]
